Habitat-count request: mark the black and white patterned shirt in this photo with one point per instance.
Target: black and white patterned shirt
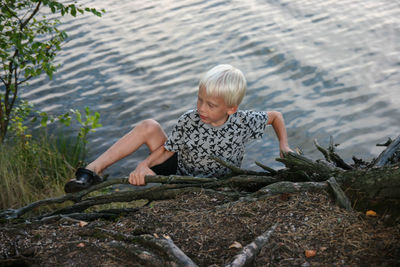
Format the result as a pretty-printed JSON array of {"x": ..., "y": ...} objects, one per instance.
[{"x": 196, "y": 141}]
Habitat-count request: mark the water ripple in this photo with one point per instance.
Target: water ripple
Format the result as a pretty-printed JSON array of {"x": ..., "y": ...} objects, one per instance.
[{"x": 330, "y": 72}]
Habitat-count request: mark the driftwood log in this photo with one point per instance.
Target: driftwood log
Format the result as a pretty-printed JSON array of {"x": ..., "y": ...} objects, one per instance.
[{"x": 359, "y": 186}]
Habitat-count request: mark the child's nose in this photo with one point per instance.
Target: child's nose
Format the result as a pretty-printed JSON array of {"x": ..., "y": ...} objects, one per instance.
[{"x": 200, "y": 107}]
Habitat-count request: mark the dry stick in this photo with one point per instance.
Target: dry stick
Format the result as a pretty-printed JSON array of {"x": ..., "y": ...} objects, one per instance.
[
  {"x": 166, "y": 191},
  {"x": 331, "y": 156},
  {"x": 341, "y": 199},
  {"x": 84, "y": 216},
  {"x": 385, "y": 156},
  {"x": 15, "y": 213},
  {"x": 152, "y": 193},
  {"x": 135, "y": 254},
  {"x": 323, "y": 151},
  {"x": 237, "y": 170},
  {"x": 248, "y": 254},
  {"x": 76, "y": 197},
  {"x": 173, "y": 185},
  {"x": 164, "y": 245},
  {"x": 268, "y": 169},
  {"x": 305, "y": 168}
]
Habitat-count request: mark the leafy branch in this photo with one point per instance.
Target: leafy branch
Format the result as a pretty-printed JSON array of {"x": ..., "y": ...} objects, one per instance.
[{"x": 28, "y": 46}]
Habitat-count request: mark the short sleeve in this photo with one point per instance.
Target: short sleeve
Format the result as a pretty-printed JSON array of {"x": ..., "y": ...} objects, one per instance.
[
  {"x": 256, "y": 122},
  {"x": 175, "y": 138}
]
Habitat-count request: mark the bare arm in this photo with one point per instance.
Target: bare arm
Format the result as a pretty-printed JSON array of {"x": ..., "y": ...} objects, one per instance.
[
  {"x": 158, "y": 156},
  {"x": 275, "y": 118}
]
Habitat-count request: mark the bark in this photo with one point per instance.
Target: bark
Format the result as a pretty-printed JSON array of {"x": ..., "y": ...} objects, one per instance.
[
  {"x": 83, "y": 216},
  {"x": 249, "y": 253},
  {"x": 170, "y": 187},
  {"x": 376, "y": 188},
  {"x": 390, "y": 155},
  {"x": 331, "y": 156},
  {"x": 372, "y": 188},
  {"x": 341, "y": 199},
  {"x": 300, "y": 168},
  {"x": 147, "y": 249},
  {"x": 153, "y": 193},
  {"x": 368, "y": 188}
]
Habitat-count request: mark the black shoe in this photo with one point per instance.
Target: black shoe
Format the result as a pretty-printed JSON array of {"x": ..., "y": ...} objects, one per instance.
[{"x": 84, "y": 179}]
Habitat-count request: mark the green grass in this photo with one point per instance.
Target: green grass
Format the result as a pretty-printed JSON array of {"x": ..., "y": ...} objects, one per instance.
[{"x": 36, "y": 169}]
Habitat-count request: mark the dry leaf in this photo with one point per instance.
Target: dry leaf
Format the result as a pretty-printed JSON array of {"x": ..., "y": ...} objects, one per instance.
[
  {"x": 81, "y": 245},
  {"x": 323, "y": 248},
  {"x": 236, "y": 245},
  {"x": 82, "y": 224},
  {"x": 284, "y": 196},
  {"x": 155, "y": 235},
  {"x": 310, "y": 253},
  {"x": 371, "y": 213},
  {"x": 166, "y": 236}
]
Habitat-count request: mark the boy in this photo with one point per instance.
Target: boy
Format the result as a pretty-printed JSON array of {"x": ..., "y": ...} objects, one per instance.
[{"x": 217, "y": 128}]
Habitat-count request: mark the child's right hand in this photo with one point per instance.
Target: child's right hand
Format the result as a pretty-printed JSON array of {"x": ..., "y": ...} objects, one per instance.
[{"x": 137, "y": 176}]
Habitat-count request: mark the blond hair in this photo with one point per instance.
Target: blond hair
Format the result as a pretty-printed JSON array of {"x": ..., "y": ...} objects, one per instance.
[{"x": 225, "y": 81}]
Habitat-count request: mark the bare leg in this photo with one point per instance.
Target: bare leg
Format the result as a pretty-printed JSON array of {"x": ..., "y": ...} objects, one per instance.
[{"x": 147, "y": 132}]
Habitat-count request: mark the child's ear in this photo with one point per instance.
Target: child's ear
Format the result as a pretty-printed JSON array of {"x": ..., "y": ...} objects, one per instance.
[{"x": 232, "y": 109}]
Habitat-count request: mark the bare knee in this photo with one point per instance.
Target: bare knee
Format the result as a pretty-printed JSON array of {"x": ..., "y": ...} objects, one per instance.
[
  {"x": 149, "y": 126},
  {"x": 153, "y": 135}
]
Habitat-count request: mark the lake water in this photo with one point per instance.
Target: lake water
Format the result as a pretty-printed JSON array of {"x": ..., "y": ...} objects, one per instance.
[{"x": 330, "y": 66}]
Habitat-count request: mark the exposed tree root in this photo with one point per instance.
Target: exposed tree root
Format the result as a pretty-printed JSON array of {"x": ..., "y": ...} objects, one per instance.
[
  {"x": 249, "y": 253},
  {"x": 390, "y": 155},
  {"x": 373, "y": 188},
  {"x": 149, "y": 250}
]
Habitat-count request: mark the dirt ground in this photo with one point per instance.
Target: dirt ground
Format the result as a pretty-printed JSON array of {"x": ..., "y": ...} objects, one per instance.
[{"x": 204, "y": 229}]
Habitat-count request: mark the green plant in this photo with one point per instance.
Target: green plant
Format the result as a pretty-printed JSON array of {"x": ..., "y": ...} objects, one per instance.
[
  {"x": 29, "y": 43},
  {"x": 36, "y": 168},
  {"x": 90, "y": 123},
  {"x": 24, "y": 114},
  {"x": 32, "y": 170}
]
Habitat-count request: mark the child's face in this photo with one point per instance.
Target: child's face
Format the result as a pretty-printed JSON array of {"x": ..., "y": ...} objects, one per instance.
[{"x": 212, "y": 109}]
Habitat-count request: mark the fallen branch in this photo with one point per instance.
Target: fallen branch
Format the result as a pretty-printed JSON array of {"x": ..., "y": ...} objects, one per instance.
[
  {"x": 152, "y": 193},
  {"x": 248, "y": 254},
  {"x": 238, "y": 171},
  {"x": 167, "y": 191},
  {"x": 368, "y": 186},
  {"x": 265, "y": 167},
  {"x": 16, "y": 213},
  {"x": 300, "y": 168},
  {"x": 340, "y": 197},
  {"x": 386, "y": 156},
  {"x": 171, "y": 186},
  {"x": 76, "y": 197},
  {"x": 331, "y": 156},
  {"x": 150, "y": 250},
  {"x": 87, "y": 216}
]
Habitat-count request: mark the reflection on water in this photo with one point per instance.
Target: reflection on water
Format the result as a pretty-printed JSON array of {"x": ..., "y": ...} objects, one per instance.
[{"x": 332, "y": 68}]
